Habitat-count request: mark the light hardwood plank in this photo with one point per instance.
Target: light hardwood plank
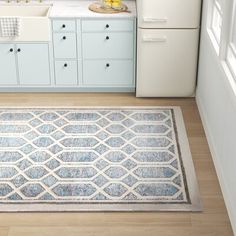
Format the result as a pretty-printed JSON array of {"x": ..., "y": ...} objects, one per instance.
[
  {"x": 4, "y": 231},
  {"x": 94, "y": 219},
  {"x": 120, "y": 230},
  {"x": 59, "y": 231}
]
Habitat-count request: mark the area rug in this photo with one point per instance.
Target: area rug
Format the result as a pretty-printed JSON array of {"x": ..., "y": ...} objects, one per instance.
[{"x": 95, "y": 159}]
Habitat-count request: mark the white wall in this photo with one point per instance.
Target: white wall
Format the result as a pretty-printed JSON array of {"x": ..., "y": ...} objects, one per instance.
[{"x": 216, "y": 100}]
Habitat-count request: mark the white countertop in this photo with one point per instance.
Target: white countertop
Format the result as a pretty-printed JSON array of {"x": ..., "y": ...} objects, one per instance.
[
  {"x": 80, "y": 9},
  {"x": 75, "y": 8}
]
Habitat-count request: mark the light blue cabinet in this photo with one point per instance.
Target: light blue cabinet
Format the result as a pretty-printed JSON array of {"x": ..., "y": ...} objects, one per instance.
[
  {"x": 8, "y": 73},
  {"x": 66, "y": 73},
  {"x": 99, "y": 54},
  {"x": 108, "y": 48},
  {"x": 24, "y": 64},
  {"x": 108, "y": 45},
  {"x": 86, "y": 54},
  {"x": 64, "y": 45},
  {"x": 108, "y": 25},
  {"x": 65, "y": 52},
  {"x": 33, "y": 64},
  {"x": 64, "y": 26},
  {"x": 108, "y": 73}
]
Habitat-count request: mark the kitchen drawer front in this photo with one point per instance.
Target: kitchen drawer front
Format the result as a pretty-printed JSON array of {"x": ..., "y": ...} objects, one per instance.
[
  {"x": 64, "y": 25},
  {"x": 169, "y": 13},
  {"x": 108, "y": 45},
  {"x": 107, "y": 25},
  {"x": 66, "y": 72},
  {"x": 107, "y": 73},
  {"x": 64, "y": 45},
  {"x": 167, "y": 62}
]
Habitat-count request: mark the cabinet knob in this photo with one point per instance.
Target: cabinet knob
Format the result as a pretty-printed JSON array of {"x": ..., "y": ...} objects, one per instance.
[
  {"x": 63, "y": 26},
  {"x": 107, "y": 26},
  {"x": 11, "y": 50},
  {"x": 64, "y": 37},
  {"x": 107, "y": 38},
  {"x": 107, "y": 65},
  {"x": 18, "y": 50},
  {"x": 65, "y": 65}
]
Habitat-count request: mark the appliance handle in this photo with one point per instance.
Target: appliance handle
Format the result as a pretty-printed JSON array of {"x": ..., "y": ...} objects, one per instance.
[
  {"x": 157, "y": 20},
  {"x": 158, "y": 40}
]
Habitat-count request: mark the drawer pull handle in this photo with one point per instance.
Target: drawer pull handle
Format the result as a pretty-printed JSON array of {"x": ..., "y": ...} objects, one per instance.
[
  {"x": 157, "y": 20},
  {"x": 107, "y": 38},
  {"x": 107, "y": 26},
  {"x": 63, "y": 26},
  {"x": 11, "y": 50},
  {"x": 107, "y": 65},
  {"x": 64, "y": 37},
  {"x": 158, "y": 40},
  {"x": 18, "y": 50},
  {"x": 65, "y": 65}
]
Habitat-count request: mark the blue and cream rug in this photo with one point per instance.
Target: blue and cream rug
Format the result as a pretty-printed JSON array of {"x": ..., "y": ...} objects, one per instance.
[{"x": 96, "y": 159}]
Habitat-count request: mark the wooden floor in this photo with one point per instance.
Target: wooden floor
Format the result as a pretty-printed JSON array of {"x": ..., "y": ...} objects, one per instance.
[{"x": 213, "y": 221}]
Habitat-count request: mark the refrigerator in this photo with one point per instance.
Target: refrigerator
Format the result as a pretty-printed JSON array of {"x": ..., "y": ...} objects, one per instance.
[{"x": 167, "y": 47}]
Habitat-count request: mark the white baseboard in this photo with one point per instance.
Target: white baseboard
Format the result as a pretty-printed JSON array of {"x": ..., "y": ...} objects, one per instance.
[{"x": 216, "y": 160}]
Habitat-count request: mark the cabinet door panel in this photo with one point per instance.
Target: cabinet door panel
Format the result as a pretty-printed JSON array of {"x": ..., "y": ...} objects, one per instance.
[
  {"x": 66, "y": 72},
  {"x": 167, "y": 63},
  {"x": 8, "y": 75},
  {"x": 33, "y": 64},
  {"x": 64, "y": 45},
  {"x": 108, "y": 45}
]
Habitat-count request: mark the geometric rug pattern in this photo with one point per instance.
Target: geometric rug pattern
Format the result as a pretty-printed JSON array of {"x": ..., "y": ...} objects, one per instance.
[{"x": 104, "y": 158}]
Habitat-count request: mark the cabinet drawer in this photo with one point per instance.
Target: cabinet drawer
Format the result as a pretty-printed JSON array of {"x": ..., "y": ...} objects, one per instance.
[
  {"x": 66, "y": 72},
  {"x": 108, "y": 45},
  {"x": 167, "y": 62},
  {"x": 107, "y": 25},
  {"x": 108, "y": 72},
  {"x": 169, "y": 13},
  {"x": 64, "y": 25},
  {"x": 64, "y": 45}
]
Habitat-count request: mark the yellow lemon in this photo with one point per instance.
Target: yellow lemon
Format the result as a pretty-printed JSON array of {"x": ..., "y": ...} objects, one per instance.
[
  {"x": 116, "y": 3},
  {"x": 107, "y": 3}
]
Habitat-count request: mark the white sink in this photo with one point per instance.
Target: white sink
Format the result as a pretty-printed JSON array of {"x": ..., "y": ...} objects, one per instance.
[
  {"x": 25, "y": 10},
  {"x": 34, "y": 21}
]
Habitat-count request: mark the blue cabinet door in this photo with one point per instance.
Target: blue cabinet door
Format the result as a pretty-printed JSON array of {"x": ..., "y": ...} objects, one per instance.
[
  {"x": 66, "y": 73},
  {"x": 8, "y": 74},
  {"x": 64, "y": 45},
  {"x": 33, "y": 64}
]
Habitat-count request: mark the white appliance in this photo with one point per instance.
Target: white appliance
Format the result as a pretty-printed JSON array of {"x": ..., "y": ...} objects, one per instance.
[{"x": 167, "y": 53}]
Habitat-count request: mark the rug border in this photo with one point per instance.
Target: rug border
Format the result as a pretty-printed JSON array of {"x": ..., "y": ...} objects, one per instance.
[{"x": 190, "y": 173}]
